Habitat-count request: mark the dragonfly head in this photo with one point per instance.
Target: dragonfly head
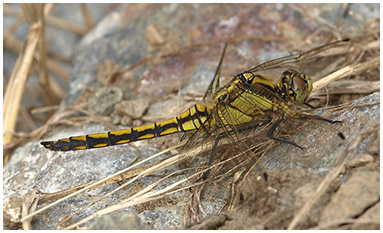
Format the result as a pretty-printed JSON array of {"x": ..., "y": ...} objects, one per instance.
[{"x": 296, "y": 86}]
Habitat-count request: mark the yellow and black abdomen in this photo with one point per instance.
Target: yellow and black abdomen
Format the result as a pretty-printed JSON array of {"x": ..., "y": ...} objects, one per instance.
[{"x": 192, "y": 119}]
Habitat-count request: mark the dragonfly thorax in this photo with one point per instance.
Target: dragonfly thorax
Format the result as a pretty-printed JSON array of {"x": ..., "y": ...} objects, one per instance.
[{"x": 295, "y": 86}]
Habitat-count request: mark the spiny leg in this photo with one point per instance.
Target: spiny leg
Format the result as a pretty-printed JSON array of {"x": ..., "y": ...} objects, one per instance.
[
  {"x": 272, "y": 130},
  {"x": 276, "y": 124},
  {"x": 341, "y": 135},
  {"x": 310, "y": 106},
  {"x": 211, "y": 157}
]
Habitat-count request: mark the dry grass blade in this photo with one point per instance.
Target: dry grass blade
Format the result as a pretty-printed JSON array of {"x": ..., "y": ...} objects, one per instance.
[
  {"x": 140, "y": 197},
  {"x": 49, "y": 197},
  {"x": 352, "y": 87},
  {"x": 122, "y": 177},
  {"x": 347, "y": 71},
  {"x": 29, "y": 205},
  {"x": 148, "y": 193},
  {"x": 86, "y": 15},
  {"x": 15, "y": 88},
  {"x": 43, "y": 63},
  {"x": 333, "y": 174},
  {"x": 51, "y": 97},
  {"x": 27, "y": 118},
  {"x": 15, "y": 45},
  {"x": 105, "y": 180},
  {"x": 66, "y": 25},
  {"x": 53, "y": 21},
  {"x": 29, "y": 12}
]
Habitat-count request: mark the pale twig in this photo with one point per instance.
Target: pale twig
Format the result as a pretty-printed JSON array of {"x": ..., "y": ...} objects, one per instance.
[
  {"x": 345, "y": 72},
  {"x": 86, "y": 16},
  {"x": 15, "y": 45},
  {"x": 15, "y": 88},
  {"x": 53, "y": 21}
]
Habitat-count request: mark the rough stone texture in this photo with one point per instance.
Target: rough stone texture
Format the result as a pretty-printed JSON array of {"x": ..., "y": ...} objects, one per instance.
[
  {"x": 123, "y": 38},
  {"x": 360, "y": 160},
  {"x": 119, "y": 221},
  {"x": 133, "y": 108},
  {"x": 102, "y": 103},
  {"x": 369, "y": 220},
  {"x": 316, "y": 157},
  {"x": 360, "y": 192}
]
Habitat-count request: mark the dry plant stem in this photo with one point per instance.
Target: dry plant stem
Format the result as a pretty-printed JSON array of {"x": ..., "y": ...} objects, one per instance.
[
  {"x": 350, "y": 86},
  {"x": 29, "y": 12},
  {"x": 99, "y": 182},
  {"x": 66, "y": 25},
  {"x": 15, "y": 88},
  {"x": 50, "y": 97},
  {"x": 53, "y": 21},
  {"x": 49, "y": 197},
  {"x": 48, "y": 9},
  {"x": 16, "y": 24},
  {"x": 42, "y": 63},
  {"x": 15, "y": 45},
  {"x": 86, "y": 16},
  {"x": 27, "y": 118},
  {"x": 119, "y": 178},
  {"x": 29, "y": 205},
  {"x": 58, "y": 118},
  {"x": 113, "y": 180},
  {"x": 333, "y": 174},
  {"x": 346, "y": 71},
  {"x": 146, "y": 195},
  {"x": 142, "y": 196}
]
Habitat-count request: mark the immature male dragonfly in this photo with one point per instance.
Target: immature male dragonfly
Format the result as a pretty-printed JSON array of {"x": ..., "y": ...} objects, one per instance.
[{"x": 252, "y": 98}]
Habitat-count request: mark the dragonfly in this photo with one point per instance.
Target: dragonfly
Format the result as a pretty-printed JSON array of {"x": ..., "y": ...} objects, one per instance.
[{"x": 249, "y": 100}]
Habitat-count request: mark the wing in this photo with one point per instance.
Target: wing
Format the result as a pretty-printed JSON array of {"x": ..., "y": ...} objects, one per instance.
[
  {"x": 308, "y": 62},
  {"x": 214, "y": 85}
]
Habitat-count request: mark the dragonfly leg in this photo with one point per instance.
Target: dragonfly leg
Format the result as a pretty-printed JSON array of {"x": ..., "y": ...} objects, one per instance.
[
  {"x": 341, "y": 135},
  {"x": 272, "y": 130},
  {"x": 212, "y": 153},
  {"x": 310, "y": 106},
  {"x": 324, "y": 119}
]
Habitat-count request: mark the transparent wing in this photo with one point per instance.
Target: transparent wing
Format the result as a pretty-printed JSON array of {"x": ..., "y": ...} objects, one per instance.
[{"x": 309, "y": 62}]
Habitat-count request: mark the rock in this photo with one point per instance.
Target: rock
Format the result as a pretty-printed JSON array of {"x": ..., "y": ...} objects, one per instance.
[
  {"x": 133, "y": 108},
  {"x": 359, "y": 192},
  {"x": 360, "y": 160},
  {"x": 102, "y": 103},
  {"x": 119, "y": 221},
  {"x": 370, "y": 220}
]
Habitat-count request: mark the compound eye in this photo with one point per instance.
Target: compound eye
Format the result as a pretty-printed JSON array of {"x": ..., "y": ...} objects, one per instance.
[{"x": 299, "y": 83}]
